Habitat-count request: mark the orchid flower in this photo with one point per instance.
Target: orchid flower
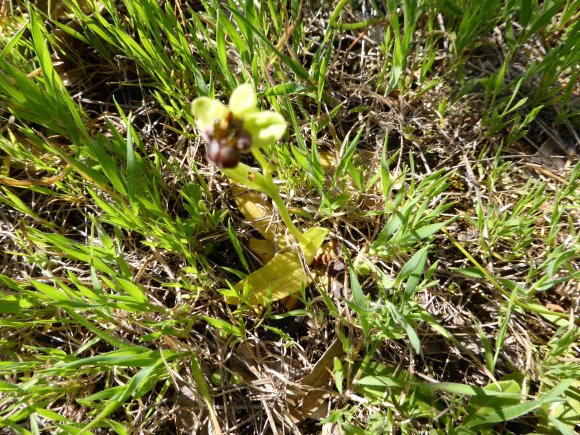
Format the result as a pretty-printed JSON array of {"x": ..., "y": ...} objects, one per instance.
[
  {"x": 238, "y": 129},
  {"x": 234, "y": 130}
]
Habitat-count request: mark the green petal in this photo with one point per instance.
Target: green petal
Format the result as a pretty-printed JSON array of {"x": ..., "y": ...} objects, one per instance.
[
  {"x": 265, "y": 127},
  {"x": 206, "y": 111},
  {"x": 243, "y": 100}
]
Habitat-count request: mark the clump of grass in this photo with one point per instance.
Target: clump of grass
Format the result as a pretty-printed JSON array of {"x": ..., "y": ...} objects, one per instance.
[{"x": 434, "y": 142}]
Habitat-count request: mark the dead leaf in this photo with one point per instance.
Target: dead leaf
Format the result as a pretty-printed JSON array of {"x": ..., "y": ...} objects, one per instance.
[{"x": 312, "y": 400}]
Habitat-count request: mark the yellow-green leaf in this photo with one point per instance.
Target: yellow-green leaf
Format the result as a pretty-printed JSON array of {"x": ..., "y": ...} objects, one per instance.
[
  {"x": 315, "y": 237},
  {"x": 259, "y": 215},
  {"x": 263, "y": 249},
  {"x": 283, "y": 275},
  {"x": 280, "y": 277}
]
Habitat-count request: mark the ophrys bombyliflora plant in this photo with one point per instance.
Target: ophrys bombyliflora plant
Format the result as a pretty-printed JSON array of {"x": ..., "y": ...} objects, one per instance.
[{"x": 241, "y": 128}]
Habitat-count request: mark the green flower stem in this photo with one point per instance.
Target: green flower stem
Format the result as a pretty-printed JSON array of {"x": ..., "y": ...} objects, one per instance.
[
  {"x": 266, "y": 167},
  {"x": 275, "y": 196},
  {"x": 247, "y": 176},
  {"x": 262, "y": 182}
]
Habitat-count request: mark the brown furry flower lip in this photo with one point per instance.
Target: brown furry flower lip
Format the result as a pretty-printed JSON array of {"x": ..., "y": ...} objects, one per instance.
[{"x": 226, "y": 140}]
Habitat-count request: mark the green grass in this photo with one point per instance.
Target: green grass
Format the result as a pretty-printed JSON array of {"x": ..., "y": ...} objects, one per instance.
[{"x": 437, "y": 141}]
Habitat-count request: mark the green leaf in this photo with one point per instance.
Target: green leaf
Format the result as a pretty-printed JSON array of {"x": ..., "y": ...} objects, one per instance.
[
  {"x": 379, "y": 381},
  {"x": 137, "y": 386},
  {"x": 500, "y": 414},
  {"x": 133, "y": 290},
  {"x": 50, "y": 291},
  {"x": 471, "y": 272},
  {"x": 427, "y": 231},
  {"x": 50, "y": 415},
  {"x": 15, "y": 304},
  {"x": 359, "y": 301},
  {"x": 298, "y": 69},
  {"x": 413, "y": 270},
  {"x": 526, "y": 9},
  {"x": 346, "y": 157},
  {"x": 237, "y": 246},
  {"x": 223, "y": 326},
  {"x": 413, "y": 337},
  {"x": 289, "y": 88},
  {"x": 203, "y": 390}
]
